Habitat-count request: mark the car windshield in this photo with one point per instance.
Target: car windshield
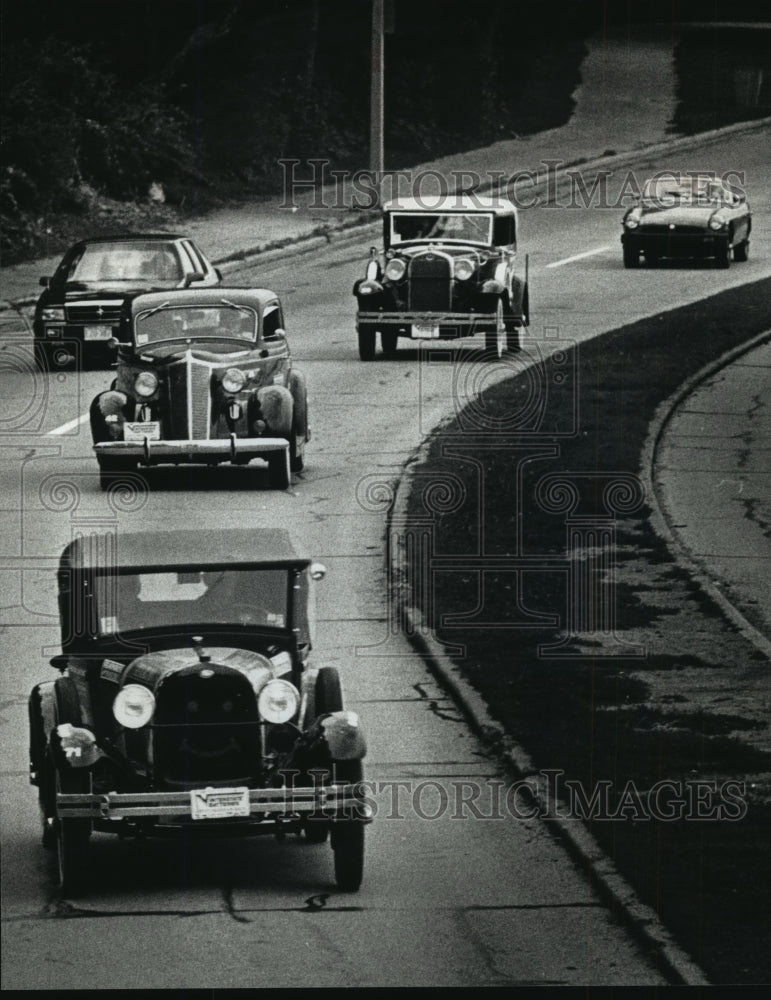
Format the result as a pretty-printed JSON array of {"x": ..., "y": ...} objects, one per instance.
[
  {"x": 223, "y": 322},
  {"x": 689, "y": 191},
  {"x": 465, "y": 227},
  {"x": 116, "y": 262},
  {"x": 132, "y": 601}
]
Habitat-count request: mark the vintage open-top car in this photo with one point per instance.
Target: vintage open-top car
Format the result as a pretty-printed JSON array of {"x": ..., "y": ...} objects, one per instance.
[
  {"x": 687, "y": 215},
  {"x": 79, "y": 311},
  {"x": 187, "y": 700},
  {"x": 203, "y": 376},
  {"x": 447, "y": 271}
]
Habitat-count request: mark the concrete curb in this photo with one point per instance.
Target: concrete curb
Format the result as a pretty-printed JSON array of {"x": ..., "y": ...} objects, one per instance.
[
  {"x": 352, "y": 228},
  {"x": 660, "y": 520},
  {"x": 612, "y": 887}
]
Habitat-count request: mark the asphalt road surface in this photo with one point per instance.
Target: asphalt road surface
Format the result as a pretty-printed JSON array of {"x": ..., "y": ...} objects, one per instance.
[{"x": 447, "y": 901}]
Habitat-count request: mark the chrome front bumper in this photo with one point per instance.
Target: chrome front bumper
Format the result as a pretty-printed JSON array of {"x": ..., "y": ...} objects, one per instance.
[
  {"x": 150, "y": 452},
  {"x": 333, "y": 802},
  {"x": 425, "y": 318}
]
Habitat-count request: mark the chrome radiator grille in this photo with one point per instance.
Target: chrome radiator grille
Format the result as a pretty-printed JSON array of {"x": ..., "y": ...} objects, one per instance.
[
  {"x": 430, "y": 283},
  {"x": 189, "y": 401}
]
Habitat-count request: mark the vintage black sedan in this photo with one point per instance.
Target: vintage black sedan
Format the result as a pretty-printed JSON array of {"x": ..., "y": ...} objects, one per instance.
[
  {"x": 187, "y": 703},
  {"x": 687, "y": 216},
  {"x": 79, "y": 311},
  {"x": 447, "y": 271},
  {"x": 204, "y": 376}
]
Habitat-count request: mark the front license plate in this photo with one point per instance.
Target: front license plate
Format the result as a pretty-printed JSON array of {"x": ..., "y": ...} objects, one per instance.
[
  {"x": 138, "y": 432},
  {"x": 100, "y": 332},
  {"x": 219, "y": 803},
  {"x": 424, "y": 332}
]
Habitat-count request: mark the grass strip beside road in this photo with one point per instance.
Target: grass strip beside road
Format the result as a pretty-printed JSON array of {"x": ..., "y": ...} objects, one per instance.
[{"x": 672, "y": 691}]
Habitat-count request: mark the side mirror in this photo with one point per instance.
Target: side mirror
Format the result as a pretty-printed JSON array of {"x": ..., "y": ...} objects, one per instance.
[
  {"x": 190, "y": 278},
  {"x": 45, "y": 282}
]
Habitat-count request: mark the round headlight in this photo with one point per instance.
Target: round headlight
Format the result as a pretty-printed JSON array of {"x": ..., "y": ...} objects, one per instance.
[
  {"x": 145, "y": 384},
  {"x": 464, "y": 269},
  {"x": 395, "y": 269},
  {"x": 716, "y": 223},
  {"x": 278, "y": 701},
  {"x": 233, "y": 380},
  {"x": 632, "y": 222},
  {"x": 134, "y": 706}
]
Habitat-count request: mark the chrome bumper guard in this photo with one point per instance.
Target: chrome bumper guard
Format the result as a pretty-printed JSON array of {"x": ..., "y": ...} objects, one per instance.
[
  {"x": 156, "y": 451},
  {"x": 335, "y": 802}
]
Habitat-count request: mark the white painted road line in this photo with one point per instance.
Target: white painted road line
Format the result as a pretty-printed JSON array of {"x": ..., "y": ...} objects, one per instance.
[
  {"x": 578, "y": 256},
  {"x": 70, "y": 425}
]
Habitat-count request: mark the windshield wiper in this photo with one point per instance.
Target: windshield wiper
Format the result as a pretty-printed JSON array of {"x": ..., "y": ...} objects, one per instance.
[
  {"x": 157, "y": 309},
  {"x": 234, "y": 305}
]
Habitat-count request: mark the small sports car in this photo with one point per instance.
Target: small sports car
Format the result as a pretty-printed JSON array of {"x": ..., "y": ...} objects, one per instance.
[
  {"x": 687, "y": 215},
  {"x": 205, "y": 376},
  {"x": 79, "y": 310},
  {"x": 448, "y": 271},
  {"x": 187, "y": 703}
]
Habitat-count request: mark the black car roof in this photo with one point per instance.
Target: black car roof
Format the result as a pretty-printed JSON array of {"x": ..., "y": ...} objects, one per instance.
[
  {"x": 130, "y": 238},
  {"x": 201, "y": 297},
  {"x": 185, "y": 549}
]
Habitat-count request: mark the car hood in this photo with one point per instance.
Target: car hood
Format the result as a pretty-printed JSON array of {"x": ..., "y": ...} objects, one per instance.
[
  {"x": 453, "y": 249},
  {"x": 678, "y": 215},
  {"x": 152, "y": 668}
]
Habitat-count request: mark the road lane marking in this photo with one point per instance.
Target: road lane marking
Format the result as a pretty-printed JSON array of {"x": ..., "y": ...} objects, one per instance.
[
  {"x": 578, "y": 256},
  {"x": 70, "y": 425}
]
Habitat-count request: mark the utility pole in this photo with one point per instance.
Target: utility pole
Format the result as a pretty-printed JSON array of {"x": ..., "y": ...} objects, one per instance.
[{"x": 376, "y": 95}]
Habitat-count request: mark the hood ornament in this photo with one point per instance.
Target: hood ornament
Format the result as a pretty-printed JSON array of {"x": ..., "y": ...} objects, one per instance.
[{"x": 197, "y": 641}]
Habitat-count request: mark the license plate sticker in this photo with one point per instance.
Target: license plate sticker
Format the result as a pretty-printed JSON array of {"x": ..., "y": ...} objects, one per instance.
[
  {"x": 139, "y": 431},
  {"x": 425, "y": 332},
  {"x": 219, "y": 803},
  {"x": 101, "y": 332}
]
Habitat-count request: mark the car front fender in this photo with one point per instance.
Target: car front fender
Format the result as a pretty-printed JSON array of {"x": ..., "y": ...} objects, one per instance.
[
  {"x": 276, "y": 407},
  {"x": 344, "y": 736}
]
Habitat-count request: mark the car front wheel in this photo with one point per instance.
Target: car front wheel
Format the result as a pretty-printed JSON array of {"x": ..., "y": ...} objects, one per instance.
[
  {"x": 742, "y": 251},
  {"x": 388, "y": 341},
  {"x": 348, "y": 834},
  {"x": 495, "y": 336},
  {"x": 72, "y": 837},
  {"x": 366, "y": 336},
  {"x": 278, "y": 470},
  {"x": 723, "y": 255},
  {"x": 631, "y": 257},
  {"x": 111, "y": 469}
]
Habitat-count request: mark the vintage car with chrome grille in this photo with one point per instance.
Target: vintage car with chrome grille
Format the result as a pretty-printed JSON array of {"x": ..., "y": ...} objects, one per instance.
[
  {"x": 686, "y": 216},
  {"x": 203, "y": 376},
  {"x": 187, "y": 703},
  {"x": 79, "y": 311},
  {"x": 447, "y": 271}
]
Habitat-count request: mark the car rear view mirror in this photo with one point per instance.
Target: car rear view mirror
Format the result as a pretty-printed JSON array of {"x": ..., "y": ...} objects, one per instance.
[{"x": 195, "y": 276}]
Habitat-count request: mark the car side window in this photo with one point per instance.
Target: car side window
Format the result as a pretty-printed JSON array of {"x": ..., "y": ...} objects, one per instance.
[{"x": 271, "y": 322}]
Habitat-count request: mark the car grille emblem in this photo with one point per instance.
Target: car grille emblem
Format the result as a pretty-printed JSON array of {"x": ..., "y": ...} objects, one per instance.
[{"x": 99, "y": 311}]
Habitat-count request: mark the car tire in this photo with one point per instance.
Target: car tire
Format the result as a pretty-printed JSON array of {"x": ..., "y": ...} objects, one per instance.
[
  {"x": 495, "y": 336},
  {"x": 328, "y": 692},
  {"x": 348, "y": 834},
  {"x": 388, "y": 342},
  {"x": 723, "y": 255},
  {"x": 742, "y": 251},
  {"x": 652, "y": 259},
  {"x": 40, "y": 764},
  {"x": 631, "y": 257},
  {"x": 71, "y": 836},
  {"x": 366, "y": 334},
  {"x": 296, "y": 385},
  {"x": 514, "y": 326},
  {"x": 278, "y": 470},
  {"x": 111, "y": 469}
]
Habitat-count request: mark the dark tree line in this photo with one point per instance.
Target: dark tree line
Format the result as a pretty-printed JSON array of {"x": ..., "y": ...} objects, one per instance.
[{"x": 104, "y": 97}]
